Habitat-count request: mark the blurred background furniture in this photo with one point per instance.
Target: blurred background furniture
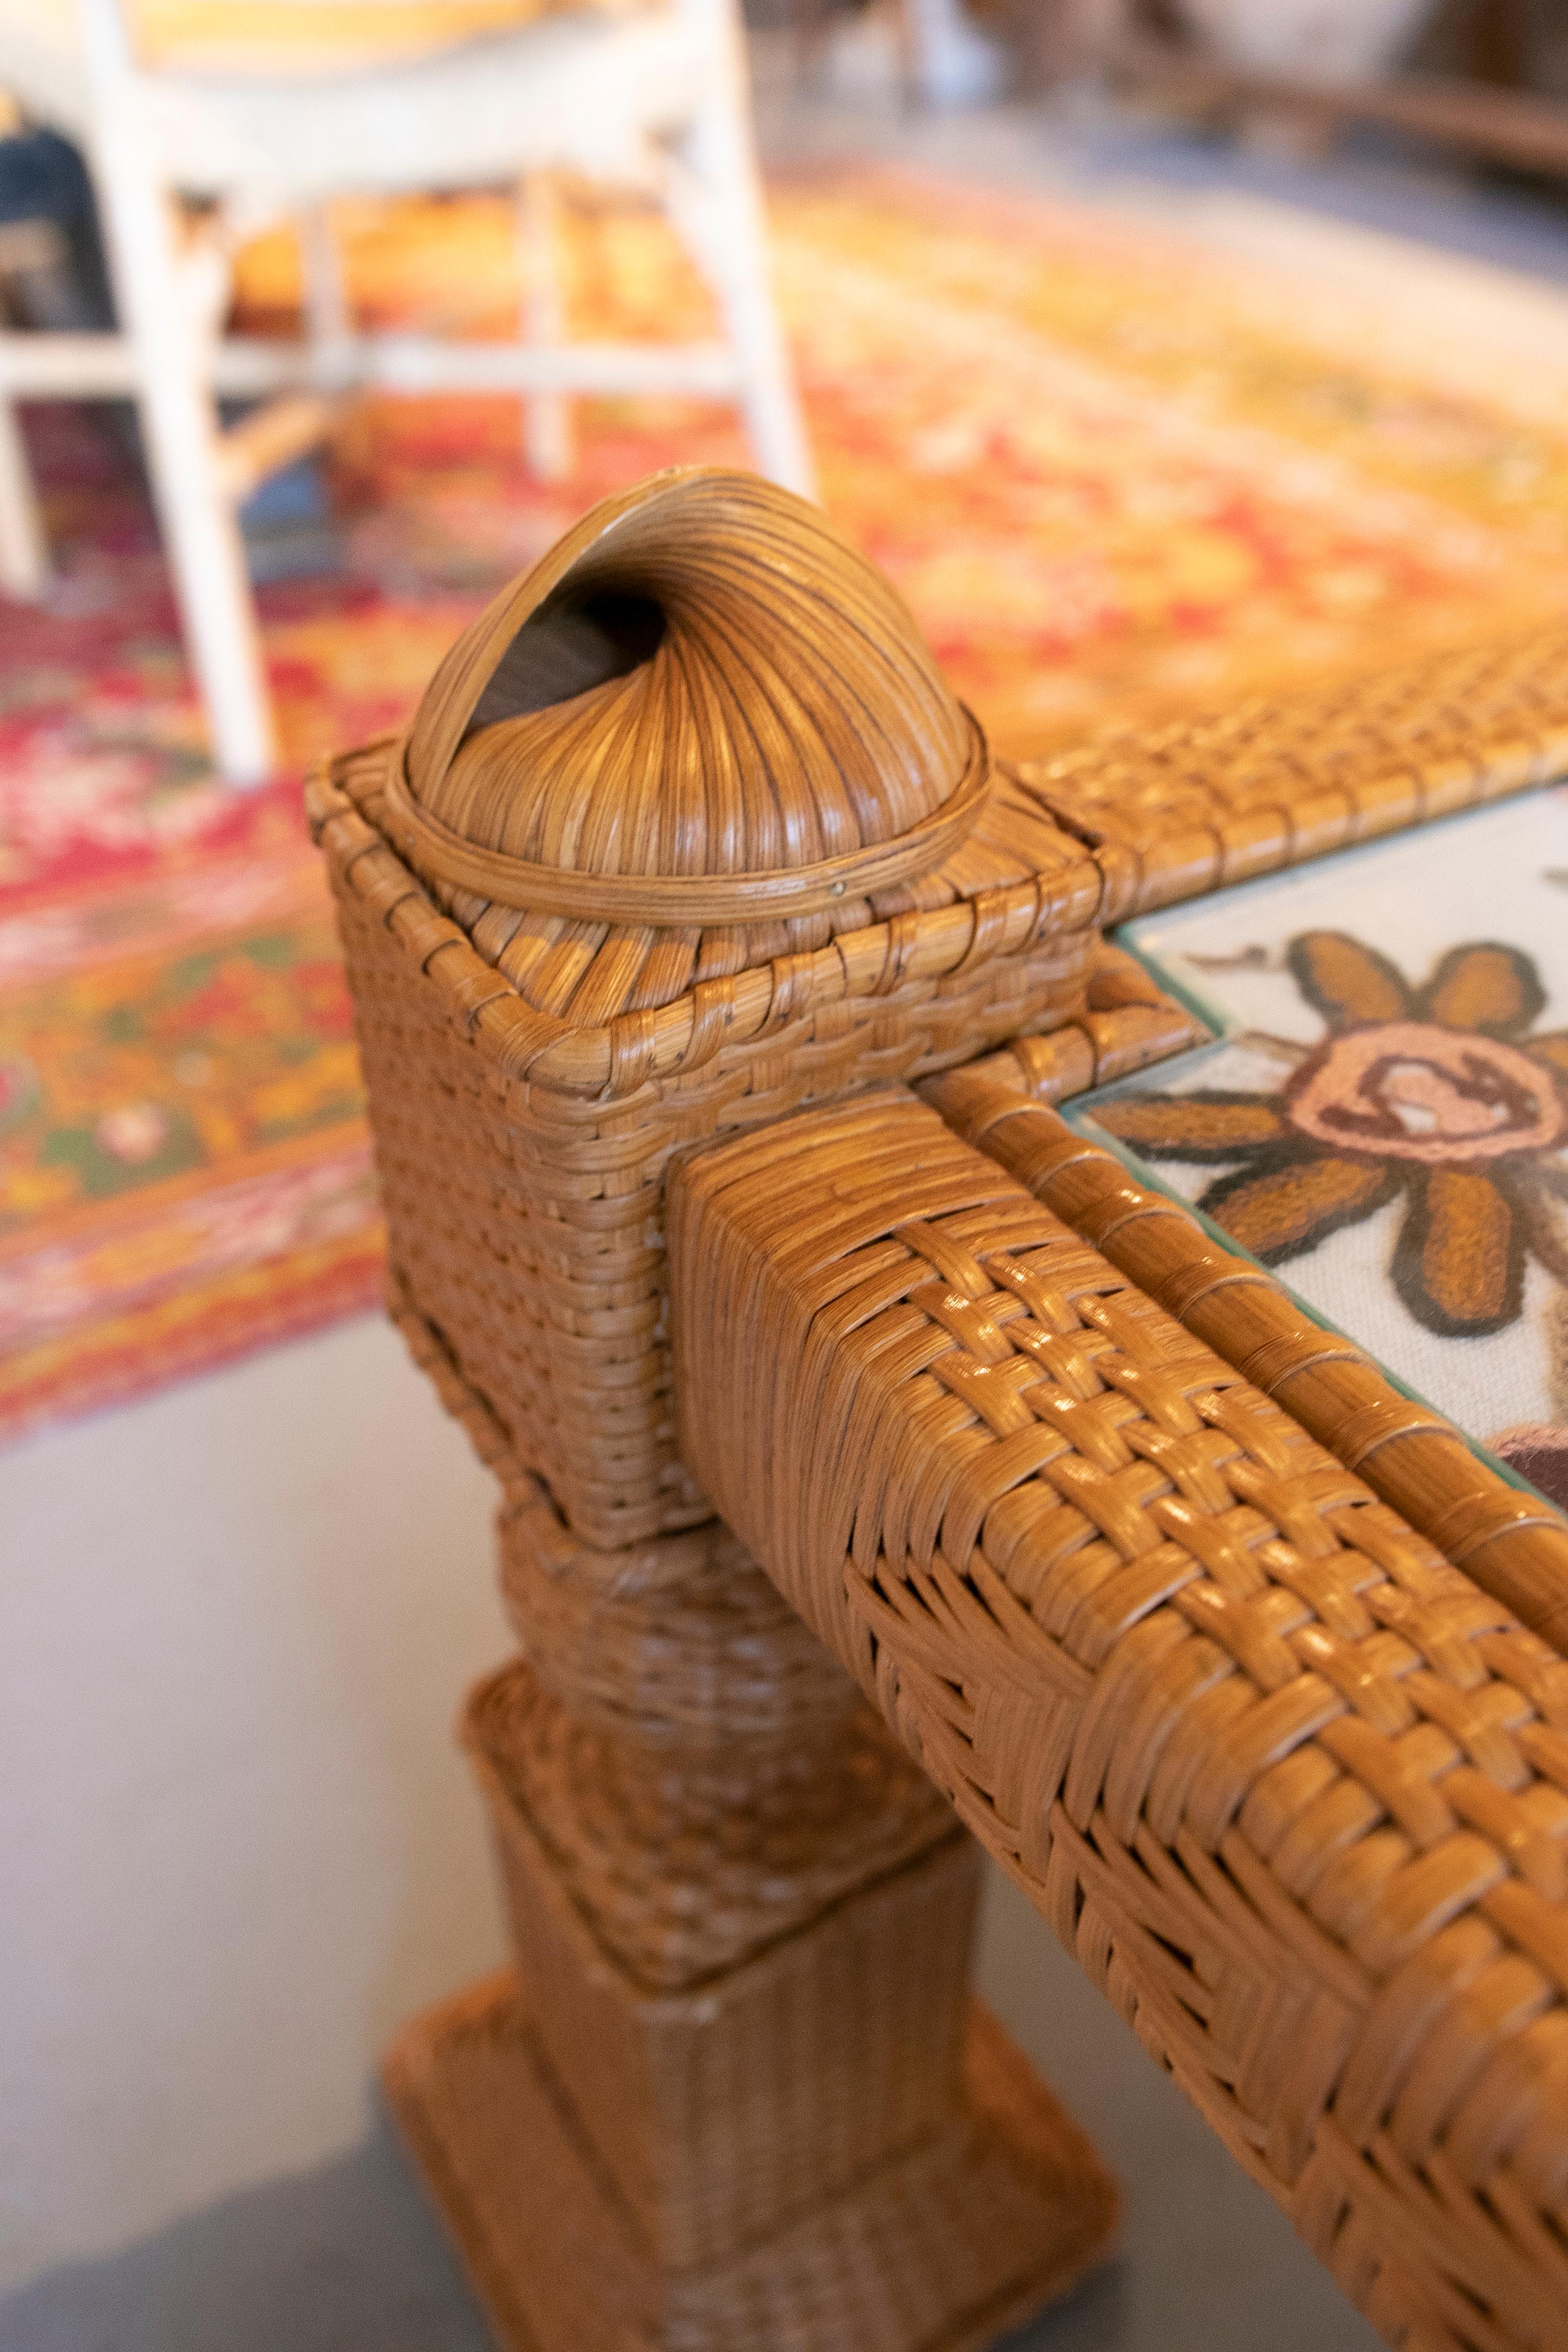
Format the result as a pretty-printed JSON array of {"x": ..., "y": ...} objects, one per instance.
[
  {"x": 187, "y": 163},
  {"x": 1487, "y": 79}
]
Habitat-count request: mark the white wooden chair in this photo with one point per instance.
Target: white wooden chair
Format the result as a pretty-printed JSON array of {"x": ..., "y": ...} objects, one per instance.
[{"x": 658, "y": 101}]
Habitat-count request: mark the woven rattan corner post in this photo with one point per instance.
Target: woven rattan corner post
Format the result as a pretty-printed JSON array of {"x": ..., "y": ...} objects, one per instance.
[{"x": 686, "y": 836}]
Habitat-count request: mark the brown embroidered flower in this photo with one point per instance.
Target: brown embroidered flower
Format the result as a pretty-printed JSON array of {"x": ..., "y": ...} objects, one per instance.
[{"x": 1438, "y": 1093}]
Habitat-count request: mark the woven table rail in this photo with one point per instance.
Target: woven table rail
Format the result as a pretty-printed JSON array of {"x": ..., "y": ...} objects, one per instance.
[
  {"x": 1514, "y": 1545},
  {"x": 1170, "y": 813},
  {"x": 1292, "y": 1786}
]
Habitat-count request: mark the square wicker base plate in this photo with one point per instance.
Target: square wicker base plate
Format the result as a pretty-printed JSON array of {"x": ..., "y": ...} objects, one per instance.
[{"x": 942, "y": 2249}]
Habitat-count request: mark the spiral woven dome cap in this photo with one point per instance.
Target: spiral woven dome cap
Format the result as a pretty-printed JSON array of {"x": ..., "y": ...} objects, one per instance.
[{"x": 703, "y": 706}]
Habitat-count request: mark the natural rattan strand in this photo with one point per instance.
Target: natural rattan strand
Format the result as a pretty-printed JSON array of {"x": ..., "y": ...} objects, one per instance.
[
  {"x": 745, "y": 1917},
  {"x": 1126, "y": 1023},
  {"x": 702, "y": 1776},
  {"x": 527, "y": 1224},
  {"x": 1212, "y": 800},
  {"x": 703, "y": 704},
  {"x": 1290, "y": 1784},
  {"x": 1514, "y": 1546},
  {"x": 722, "y": 2109},
  {"x": 682, "y": 1870}
]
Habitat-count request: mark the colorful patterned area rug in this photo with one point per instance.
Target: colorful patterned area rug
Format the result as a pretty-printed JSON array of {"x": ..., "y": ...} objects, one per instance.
[{"x": 1109, "y": 475}]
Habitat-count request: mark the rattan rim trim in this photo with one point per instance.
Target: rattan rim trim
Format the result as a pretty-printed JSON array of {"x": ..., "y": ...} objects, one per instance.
[
  {"x": 1511, "y": 1543},
  {"x": 614, "y": 1058},
  {"x": 678, "y": 901}
]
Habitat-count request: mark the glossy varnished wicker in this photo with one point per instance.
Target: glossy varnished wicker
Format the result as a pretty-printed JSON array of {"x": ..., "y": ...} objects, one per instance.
[
  {"x": 737, "y": 2038},
  {"x": 1240, "y": 1662},
  {"x": 963, "y": 2235},
  {"x": 703, "y": 1777},
  {"x": 1291, "y": 1785},
  {"x": 687, "y": 833},
  {"x": 549, "y": 1065},
  {"x": 1172, "y": 812},
  {"x": 1511, "y": 1543},
  {"x": 554, "y": 1063}
]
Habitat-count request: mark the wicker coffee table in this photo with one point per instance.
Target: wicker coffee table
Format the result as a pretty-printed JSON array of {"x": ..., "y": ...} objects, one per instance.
[{"x": 889, "y": 1472}]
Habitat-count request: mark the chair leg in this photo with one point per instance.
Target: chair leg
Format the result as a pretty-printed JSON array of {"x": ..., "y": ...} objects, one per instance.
[
  {"x": 24, "y": 550},
  {"x": 180, "y": 425},
  {"x": 547, "y": 435},
  {"x": 734, "y": 251},
  {"x": 329, "y": 326}
]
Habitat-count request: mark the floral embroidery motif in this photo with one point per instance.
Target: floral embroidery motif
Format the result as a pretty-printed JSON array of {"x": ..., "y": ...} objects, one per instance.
[{"x": 1438, "y": 1093}]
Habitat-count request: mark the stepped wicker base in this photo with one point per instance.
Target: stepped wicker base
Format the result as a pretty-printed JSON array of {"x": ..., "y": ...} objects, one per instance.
[{"x": 943, "y": 2247}]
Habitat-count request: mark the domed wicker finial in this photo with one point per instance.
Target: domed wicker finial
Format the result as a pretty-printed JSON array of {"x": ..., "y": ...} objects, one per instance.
[{"x": 703, "y": 706}]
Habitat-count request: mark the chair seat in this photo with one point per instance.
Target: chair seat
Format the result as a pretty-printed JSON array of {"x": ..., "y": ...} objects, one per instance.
[{"x": 578, "y": 91}]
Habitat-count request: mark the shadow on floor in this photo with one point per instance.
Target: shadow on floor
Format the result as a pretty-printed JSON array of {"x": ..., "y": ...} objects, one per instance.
[
  {"x": 349, "y": 2258},
  {"x": 1207, "y": 2261},
  {"x": 345, "y": 2259}
]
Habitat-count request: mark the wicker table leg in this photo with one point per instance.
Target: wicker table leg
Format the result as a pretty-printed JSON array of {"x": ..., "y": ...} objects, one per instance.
[
  {"x": 946, "y": 2247},
  {"x": 732, "y": 2092},
  {"x": 734, "y": 2098}
]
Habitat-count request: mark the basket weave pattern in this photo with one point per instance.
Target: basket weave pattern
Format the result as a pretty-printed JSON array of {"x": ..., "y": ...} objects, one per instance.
[
  {"x": 742, "y": 1920},
  {"x": 873, "y": 2267},
  {"x": 553, "y": 1127},
  {"x": 537, "y": 1254},
  {"x": 690, "y": 1836},
  {"x": 1208, "y": 801},
  {"x": 1290, "y": 1784},
  {"x": 687, "y": 865},
  {"x": 1514, "y": 1546},
  {"x": 706, "y": 1776}
]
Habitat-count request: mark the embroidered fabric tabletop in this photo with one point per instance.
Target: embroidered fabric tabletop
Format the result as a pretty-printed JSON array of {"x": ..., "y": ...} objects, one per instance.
[{"x": 1384, "y": 1114}]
